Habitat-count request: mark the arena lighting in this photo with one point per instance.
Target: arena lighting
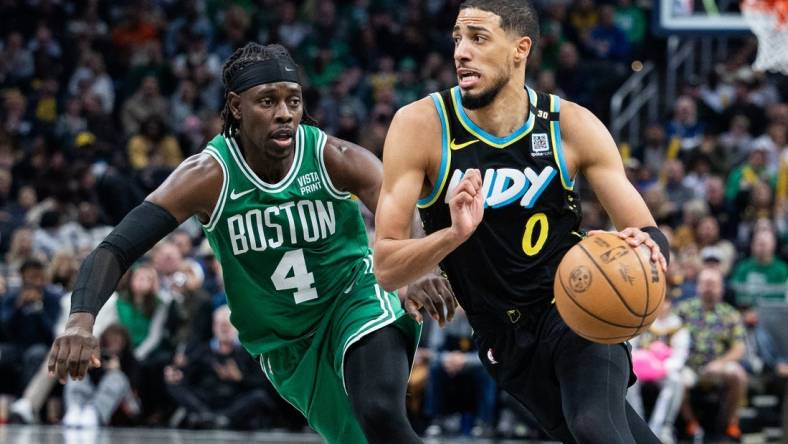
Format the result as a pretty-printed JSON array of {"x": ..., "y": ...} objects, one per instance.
[{"x": 637, "y": 66}]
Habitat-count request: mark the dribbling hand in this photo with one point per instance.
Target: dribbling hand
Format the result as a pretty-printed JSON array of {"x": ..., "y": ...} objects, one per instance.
[
  {"x": 635, "y": 237},
  {"x": 467, "y": 205},
  {"x": 434, "y": 293},
  {"x": 75, "y": 351}
]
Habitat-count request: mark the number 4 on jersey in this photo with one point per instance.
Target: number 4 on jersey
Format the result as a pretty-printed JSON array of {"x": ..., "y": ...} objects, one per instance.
[{"x": 301, "y": 280}]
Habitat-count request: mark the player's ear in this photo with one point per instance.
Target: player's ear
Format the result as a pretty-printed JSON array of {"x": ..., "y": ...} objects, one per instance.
[
  {"x": 522, "y": 49},
  {"x": 234, "y": 102}
]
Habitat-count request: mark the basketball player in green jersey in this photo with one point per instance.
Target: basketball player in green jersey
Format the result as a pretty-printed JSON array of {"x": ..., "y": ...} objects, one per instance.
[
  {"x": 274, "y": 197},
  {"x": 491, "y": 164}
]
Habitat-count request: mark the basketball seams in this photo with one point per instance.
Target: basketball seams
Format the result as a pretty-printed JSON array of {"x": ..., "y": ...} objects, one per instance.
[
  {"x": 570, "y": 294},
  {"x": 622, "y": 299}
]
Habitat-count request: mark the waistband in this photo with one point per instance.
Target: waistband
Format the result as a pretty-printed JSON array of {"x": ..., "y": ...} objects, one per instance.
[{"x": 525, "y": 317}]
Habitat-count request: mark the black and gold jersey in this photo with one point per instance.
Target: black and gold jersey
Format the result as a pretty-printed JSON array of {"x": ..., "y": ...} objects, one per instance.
[{"x": 531, "y": 216}]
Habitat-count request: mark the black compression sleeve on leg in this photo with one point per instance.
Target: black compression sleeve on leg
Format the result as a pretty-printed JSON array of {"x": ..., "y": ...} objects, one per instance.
[
  {"x": 145, "y": 225},
  {"x": 376, "y": 377},
  {"x": 660, "y": 239}
]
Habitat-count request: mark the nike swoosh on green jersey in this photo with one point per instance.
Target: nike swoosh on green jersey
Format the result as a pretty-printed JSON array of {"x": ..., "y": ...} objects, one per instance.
[
  {"x": 455, "y": 146},
  {"x": 234, "y": 195}
]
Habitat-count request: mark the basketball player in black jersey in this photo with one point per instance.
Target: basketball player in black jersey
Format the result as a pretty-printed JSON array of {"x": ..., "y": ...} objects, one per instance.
[{"x": 492, "y": 164}]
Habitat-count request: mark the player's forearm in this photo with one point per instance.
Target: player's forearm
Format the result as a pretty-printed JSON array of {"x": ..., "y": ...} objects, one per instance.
[
  {"x": 102, "y": 269},
  {"x": 399, "y": 262}
]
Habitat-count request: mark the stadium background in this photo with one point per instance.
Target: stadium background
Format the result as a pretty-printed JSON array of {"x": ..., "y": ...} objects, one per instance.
[{"x": 100, "y": 100}]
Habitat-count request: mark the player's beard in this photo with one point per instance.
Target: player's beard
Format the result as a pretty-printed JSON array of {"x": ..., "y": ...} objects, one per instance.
[{"x": 484, "y": 98}]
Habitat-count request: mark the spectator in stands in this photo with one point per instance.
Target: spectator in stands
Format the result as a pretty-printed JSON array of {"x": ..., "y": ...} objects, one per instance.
[
  {"x": 45, "y": 237},
  {"x": 583, "y": 16},
  {"x": 142, "y": 312},
  {"x": 751, "y": 208},
  {"x": 716, "y": 346},
  {"x": 220, "y": 386},
  {"x": 185, "y": 103},
  {"x": 664, "y": 211},
  {"x": 458, "y": 383},
  {"x": 21, "y": 249},
  {"x": 742, "y": 178},
  {"x": 62, "y": 272},
  {"x": 606, "y": 40},
  {"x": 572, "y": 76},
  {"x": 154, "y": 147},
  {"x": 91, "y": 77},
  {"x": 632, "y": 19},
  {"x": 28, "y": 319},
  {"x": 707, "y": 235},
  {"x": 652, "y": 153},
  {"x": 685, "y": 128},
  {"x": 743, "y": 105},
  {"x": 719, "y": 207},
  {"x": 675, "y": 183},
  {"x": 71, "y": 123},
  {"x": 762, "y": 275},
  {"x": 17, "y": 61},
  {"x": 189, "y": 318},
  {"x": 146, "y": 102},
  {"x": 737, "y": 139},
  {"x": 168, "y": 261},
  {"x": 85, "y": 233},
  {"x": 659, "y": 356},
  {"x": 91, "y": 402},
  {"x": 16, "y": 122}
]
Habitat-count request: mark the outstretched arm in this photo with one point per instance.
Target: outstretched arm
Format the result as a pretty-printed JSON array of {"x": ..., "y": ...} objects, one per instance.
[
  {"x": 193, "y": 188},
  {"x": 407, "y": 158},
  {"x": 592, "y": 150}
]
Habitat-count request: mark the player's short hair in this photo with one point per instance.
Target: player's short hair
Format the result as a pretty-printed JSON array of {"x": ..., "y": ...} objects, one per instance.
[
  {"x": 518, "y": 16},
  {"x": 244, "y": 56}
]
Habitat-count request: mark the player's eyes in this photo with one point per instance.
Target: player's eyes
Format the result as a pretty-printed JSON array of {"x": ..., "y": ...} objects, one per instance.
[
  {"x": 295, "y": 102},
  {"x": 478, "y": 38},
  {"x": 456, "y": 40},
  {"x": 265, "y": 101}
]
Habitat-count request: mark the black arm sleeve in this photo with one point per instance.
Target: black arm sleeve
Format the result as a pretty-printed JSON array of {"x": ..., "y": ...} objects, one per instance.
[
  {"x": 660, "y": 239},
  {"x": 98, "y": 277}
]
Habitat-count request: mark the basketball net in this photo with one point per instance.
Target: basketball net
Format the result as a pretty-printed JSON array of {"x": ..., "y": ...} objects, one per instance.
[{"x": 768, "y": 20}]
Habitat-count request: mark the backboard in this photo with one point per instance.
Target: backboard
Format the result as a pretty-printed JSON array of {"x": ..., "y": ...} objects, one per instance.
[{"x": 714, "y": 17}]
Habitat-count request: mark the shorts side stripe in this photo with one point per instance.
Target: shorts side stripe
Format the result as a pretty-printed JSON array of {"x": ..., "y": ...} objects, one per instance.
[{"x": 386, "y": 318}]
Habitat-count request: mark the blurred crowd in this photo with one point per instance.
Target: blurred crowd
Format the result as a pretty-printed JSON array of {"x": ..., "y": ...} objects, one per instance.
[{"x": 100, "y": 100}]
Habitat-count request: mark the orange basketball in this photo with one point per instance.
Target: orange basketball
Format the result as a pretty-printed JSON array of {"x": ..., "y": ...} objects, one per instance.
[{"x": 607, "y": 291}]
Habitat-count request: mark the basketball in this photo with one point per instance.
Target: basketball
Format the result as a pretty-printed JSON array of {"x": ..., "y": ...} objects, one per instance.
[{"x": 607, "y": 291}]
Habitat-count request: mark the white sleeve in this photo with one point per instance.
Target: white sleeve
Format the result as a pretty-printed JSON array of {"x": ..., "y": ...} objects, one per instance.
[
  {"x": 679, "y": 344},
  {"x": 107, "y": 316},
  {"x": 155, "y": 332}
]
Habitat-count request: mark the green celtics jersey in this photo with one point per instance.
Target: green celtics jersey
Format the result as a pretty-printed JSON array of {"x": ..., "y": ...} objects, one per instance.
[{"x": 288, "y": 250}]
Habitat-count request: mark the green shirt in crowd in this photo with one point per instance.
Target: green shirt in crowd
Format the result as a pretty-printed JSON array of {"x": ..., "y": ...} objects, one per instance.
[{"x": 752, "y": 280}]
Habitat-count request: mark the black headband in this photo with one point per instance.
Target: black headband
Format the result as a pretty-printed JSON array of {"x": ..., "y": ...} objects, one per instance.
[{"x": 264, "y": 71}]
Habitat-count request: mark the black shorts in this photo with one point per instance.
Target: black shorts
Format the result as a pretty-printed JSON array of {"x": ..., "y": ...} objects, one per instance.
[{"x": 520, "y": 357}]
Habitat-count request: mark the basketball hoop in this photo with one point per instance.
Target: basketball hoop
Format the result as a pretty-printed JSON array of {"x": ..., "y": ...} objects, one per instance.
[{"x": 768, "y": 20}]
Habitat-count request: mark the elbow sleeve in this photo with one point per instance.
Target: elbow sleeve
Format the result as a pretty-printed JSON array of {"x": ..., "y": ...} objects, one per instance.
[{"x": 100, "y": 272}]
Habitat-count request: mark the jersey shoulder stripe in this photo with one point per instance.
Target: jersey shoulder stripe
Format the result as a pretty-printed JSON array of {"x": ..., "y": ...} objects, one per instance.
[
  {"x": 219, "y": 206},
  {"x": 443, "y": 170},
  {"x": 558, "y": 150},
  {"x": 322, "y": 139}
]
